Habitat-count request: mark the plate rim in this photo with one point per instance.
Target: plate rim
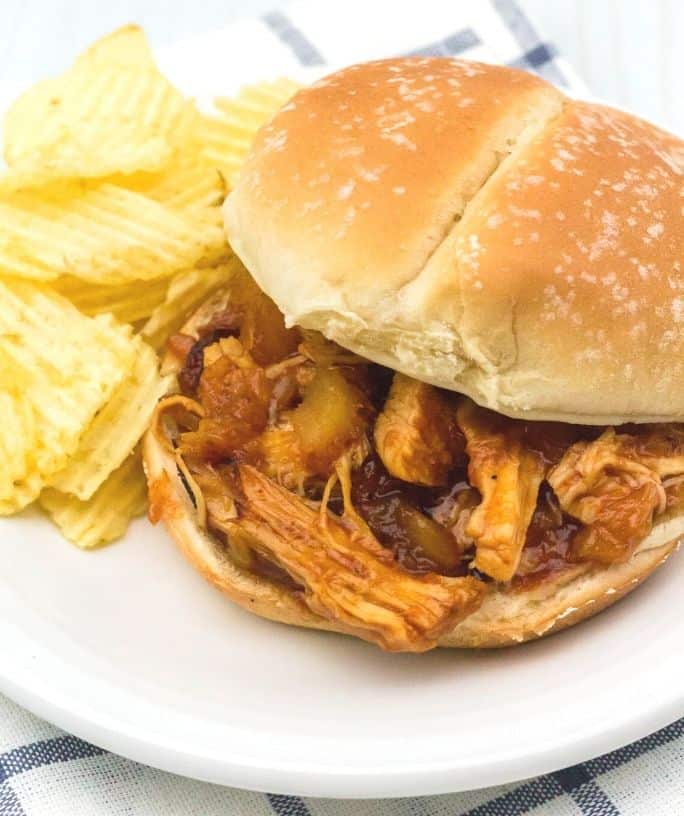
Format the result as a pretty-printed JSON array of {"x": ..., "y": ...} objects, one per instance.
[{"x": 22, "y": 684}]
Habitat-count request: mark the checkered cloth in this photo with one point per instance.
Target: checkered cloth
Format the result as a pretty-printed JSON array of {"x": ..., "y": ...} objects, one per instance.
[{"x": 44, "y": 772}]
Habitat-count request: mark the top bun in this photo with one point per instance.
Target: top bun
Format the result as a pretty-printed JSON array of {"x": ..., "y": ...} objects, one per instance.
[{"x": 470, "y": 226}]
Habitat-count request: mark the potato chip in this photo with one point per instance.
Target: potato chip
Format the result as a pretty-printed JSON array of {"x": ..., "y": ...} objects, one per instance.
[
  {"x": 185, "y": 293},
  {"x": 24, "y": 491},
  {"x": 128, "y": 302},
  {"x": 104, "y": 234},
  {"x": 225, "y": 145},
  {"x": 116, "y": 429},
  {"x": 107, "y": 514},
  {"x": 228, "y": 135},
  {"x": 66, "y": 367},
  {"x": 120, "y": 121},
  {"x": 105, "y": 115},
  {"x": 188, "y": 183},
  {"x": 261, "y": 100},
  {"x": 12, "y": 181},
  {"x": 18, "y": 485},
  {"x": 127, "y": 47}
]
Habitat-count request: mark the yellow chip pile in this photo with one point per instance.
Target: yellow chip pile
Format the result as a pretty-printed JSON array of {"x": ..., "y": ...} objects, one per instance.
[{"x": 110, "y": 236}]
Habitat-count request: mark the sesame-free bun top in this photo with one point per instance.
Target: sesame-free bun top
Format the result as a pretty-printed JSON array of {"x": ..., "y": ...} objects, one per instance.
[{"x": 472, "y": 227}]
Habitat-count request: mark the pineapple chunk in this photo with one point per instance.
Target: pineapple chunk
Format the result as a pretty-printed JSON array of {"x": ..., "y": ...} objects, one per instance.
[
  {"x": 430, "y": 540},
  {"x": 333, "y": 415},
  {"x": 277, "y": 452}
]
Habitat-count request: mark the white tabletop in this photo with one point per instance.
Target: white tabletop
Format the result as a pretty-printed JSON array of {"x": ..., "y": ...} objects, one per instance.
[{"x": 627, "y": 51}]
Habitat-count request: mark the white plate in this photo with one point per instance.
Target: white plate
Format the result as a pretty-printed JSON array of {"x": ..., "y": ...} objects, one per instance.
[{"x": 130, "y": 649}]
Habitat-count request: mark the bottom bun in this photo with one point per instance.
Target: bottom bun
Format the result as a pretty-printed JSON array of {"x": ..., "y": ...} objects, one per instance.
[{"x": 506, "y": 617}]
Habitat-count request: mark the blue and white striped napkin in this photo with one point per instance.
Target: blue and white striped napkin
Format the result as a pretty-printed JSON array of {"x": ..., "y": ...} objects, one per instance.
[{"x": 44, "y": 772}]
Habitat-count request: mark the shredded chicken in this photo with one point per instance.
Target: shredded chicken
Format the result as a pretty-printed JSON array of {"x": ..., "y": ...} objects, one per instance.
[
  {"x": 454, "y": 512},
  {"x": 660, "y": 447},
  {"x": 219, "y": 502},
  {"x": 277, "y": 452},
  {"x": 613, "y": 485},
  {"x": 508, "y": 475},
  {"x": 235, "y": 395},
  {"x": 348, "y": 576},
  {"x": 416, "y": 434}
]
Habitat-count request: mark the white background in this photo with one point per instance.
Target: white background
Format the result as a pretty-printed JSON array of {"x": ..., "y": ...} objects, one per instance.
[{"x": 630, "y": 52}]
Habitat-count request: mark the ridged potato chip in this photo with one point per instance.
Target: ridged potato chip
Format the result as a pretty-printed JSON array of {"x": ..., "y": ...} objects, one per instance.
[
  {"x": 188, "y": 183},
  {"x": 117, "y": 428},
  {"x": 228, "y": 135},
  {"x": 186, "y": 291},
  {"x": 107, "y": 514},
  {"x": 260, "y": 100},
  {"x": 66, "y": 367},
  {"x": 104, "y": 234},
  {"x": 128, "y": 302},
  {"x": 225, "y": 145},
  {"x": 103, "y": 116}
]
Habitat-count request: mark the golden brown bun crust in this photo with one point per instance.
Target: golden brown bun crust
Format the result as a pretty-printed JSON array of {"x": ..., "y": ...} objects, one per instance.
[
  {"x": 468, "y": 225},
  {"x": 505, "y": 618}
]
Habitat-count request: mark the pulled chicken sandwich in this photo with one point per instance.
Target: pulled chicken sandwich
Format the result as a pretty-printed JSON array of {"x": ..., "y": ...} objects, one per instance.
[{"x": 440, "y": 405}]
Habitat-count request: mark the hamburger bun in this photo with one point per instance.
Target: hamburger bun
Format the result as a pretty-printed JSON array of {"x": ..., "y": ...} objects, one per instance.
[{"x": 470, "y": 226}]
